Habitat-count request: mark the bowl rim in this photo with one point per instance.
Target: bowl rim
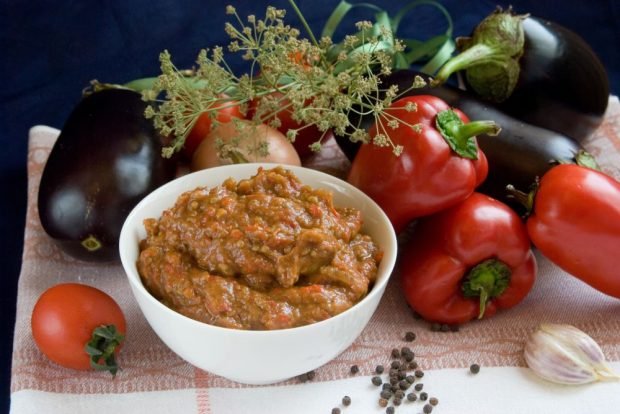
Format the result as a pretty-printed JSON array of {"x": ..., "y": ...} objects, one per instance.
[{"x": 388, "y": 261}]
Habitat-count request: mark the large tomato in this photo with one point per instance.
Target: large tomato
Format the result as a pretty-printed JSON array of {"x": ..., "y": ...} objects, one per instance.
[
  {"x": 226, "y": 111},
  {"x": 79, "y": 327}
]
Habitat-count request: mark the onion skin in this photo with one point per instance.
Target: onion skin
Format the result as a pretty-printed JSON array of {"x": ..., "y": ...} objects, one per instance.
[{"x": 244, "y": 138}]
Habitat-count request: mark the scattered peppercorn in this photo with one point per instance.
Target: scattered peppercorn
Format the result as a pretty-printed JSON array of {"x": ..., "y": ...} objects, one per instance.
[
  {"x": 336, "y": 410},
  {"x": 379, "y": 369},
  {"x": 399, "y": 394},
  {"x": 390, "y": 410},
  {"x": 355, "y": 369},
  {"x": 409, "y": 336},
  {"x": 395, "y": 353},
  {"x": 387, "y": 394},
  {"x": 383, "y": 402},
  {"x": 433, "y": 401},
  {"x": 397, "y": 401},
  {"x": 386, "y": 386},
  {"x": 346, "y": 400},
  {"x": 308, "y": 376},
  {"x": 404, "y": 384},
  {"x": 412, "y": 397},
  {"x": 418, "y": 373},
  {"x": 427, "y": 409},
  {"x": 419, "y": 386},
  {"x": 413, "y": 365},
  {"x": 423, "y": 396},
  {"x": 474, "y": 368},
  {"x": 410, "y": 379},
  {"x": 395, "y": 364},
  {"x": 376, "y": 380}
]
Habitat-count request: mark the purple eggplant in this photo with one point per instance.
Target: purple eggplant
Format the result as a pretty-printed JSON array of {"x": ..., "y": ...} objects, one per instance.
[
  {"x": 534, "y": 70},
  {"x": 106, "y": 159}
]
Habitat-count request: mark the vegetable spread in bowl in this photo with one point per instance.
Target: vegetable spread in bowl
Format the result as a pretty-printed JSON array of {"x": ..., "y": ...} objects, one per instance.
[{"x": 267, "y": 252}]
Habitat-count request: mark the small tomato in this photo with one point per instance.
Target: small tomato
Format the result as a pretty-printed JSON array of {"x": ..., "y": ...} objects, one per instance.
[
  {"x": 79, "y": 327},
  {"x": 226, "y": 112}
]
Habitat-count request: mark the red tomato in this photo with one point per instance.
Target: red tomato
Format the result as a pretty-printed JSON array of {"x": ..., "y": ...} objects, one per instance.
[
  {"x": 226, "y": 111},
  {"x": 64, "y": 320},
  {"x": 306, "y": 135}
]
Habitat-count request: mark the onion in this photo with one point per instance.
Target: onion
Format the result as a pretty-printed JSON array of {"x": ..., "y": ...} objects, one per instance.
[{"x": 243, "y": 141}]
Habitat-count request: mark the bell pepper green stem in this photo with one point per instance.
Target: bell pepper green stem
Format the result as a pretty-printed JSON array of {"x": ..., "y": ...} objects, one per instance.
[
  {"x": 460, "y": 135},
  {"x": 487, "y": 280},
  {"x": 523, "y": 198}
]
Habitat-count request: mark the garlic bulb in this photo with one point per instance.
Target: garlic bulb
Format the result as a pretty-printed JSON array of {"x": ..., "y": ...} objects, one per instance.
[{"x": 566, "y": 355}]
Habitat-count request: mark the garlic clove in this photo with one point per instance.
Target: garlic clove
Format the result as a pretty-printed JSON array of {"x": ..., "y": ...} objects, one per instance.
[{"x": 566, "y": 355}]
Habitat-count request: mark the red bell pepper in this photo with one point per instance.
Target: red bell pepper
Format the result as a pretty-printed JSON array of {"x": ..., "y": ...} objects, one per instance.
[
  {"x": 575, "y": 223},
  {"x": 440, "y": 164},
  {"x": 467, "y": 262}
]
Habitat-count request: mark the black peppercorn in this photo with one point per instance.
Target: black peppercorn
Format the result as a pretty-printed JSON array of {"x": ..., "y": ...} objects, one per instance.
[
  {"x": 390, "y": 410},
  {"x": 383, "y": 402},
  {"x": 427, "y": 409},
  {"x": 346, "y": 400},
  {"x": 387, "y": 394},
  {"x": 412, "y": 397},
  {"x": 474, "y": 368},
  {"x": 423, "y": 396},
  {"x": 433, "y": 401},
  {"x": 395, "y": 353},
  {"x": 355, "y": 369},
  {"x": 410, "y": 379},
  {"x": 336, "y": 410},
  {"x": 419, "y": 386},
  {"x": 376, "y": 380},
  {"x": 395, "y": 364},
  {"x": 418, "y": 373},
  {"x": 379, "y": 369},
  {"x": 409, "y": 336}
]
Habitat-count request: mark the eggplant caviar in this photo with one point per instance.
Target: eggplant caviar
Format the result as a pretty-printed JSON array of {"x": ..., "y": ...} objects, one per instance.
[
  {"x": 105, "y": 160},
  {"x": 534, "y": 70}
]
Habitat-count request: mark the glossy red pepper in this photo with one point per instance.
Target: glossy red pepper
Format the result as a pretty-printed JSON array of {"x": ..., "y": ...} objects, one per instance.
[
  {"x": 575, "y": 223},
  {"x": 440, "y": 164},
  {"x": 468, "y": 261}
]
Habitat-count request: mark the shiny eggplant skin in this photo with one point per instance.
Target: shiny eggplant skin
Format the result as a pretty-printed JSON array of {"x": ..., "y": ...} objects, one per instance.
[
  {"x": 105, "y": 160},
  {"x": 518, "y": 155},
  {"x": 562, "y": 86}
]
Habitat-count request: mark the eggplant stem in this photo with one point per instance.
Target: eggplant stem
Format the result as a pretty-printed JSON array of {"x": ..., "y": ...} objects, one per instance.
[{"x": 476, "y": 55}]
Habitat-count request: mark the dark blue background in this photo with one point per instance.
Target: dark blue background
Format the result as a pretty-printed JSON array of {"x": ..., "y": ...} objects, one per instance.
[{"x": 51, "y": 50}]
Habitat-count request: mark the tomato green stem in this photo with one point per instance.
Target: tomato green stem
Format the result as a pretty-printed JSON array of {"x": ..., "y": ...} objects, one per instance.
[
  {"x": 102, "y": 346},
  {"x": 487, "y": 280}
]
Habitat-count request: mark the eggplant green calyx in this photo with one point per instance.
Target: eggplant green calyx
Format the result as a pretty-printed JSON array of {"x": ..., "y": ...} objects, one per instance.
[
  {"x": 460, "y": 136},
  {"x": 490, "y": 57},
  {"x": 487, "y": 280},
  {"x": 101, "y": 348}
]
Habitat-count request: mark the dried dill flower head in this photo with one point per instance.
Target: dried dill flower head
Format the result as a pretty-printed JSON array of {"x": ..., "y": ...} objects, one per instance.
[{"x": 319, "y": 82}]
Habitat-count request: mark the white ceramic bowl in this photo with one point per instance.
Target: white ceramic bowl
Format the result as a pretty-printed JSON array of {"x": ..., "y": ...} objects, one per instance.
[{"x": 256, "y": 357}]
